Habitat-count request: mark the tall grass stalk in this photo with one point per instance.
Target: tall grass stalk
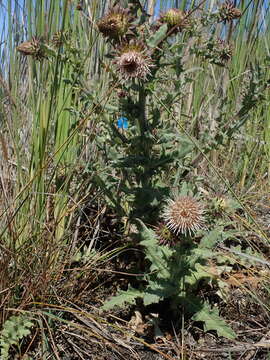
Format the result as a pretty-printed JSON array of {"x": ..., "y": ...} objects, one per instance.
[{"x": 41, "y": 147}]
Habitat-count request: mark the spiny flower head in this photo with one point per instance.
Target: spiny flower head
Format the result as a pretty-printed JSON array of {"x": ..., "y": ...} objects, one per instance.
[
  {"x": 116, "y": 23},
  {"x": 59, "y": 38},
  {"x": 228, "y": 12},
  {"x": 133, "y": 61},
  {"x": 225, "y": 50},
  {"x": 184, "y": 215},
  {"x": 164, "y": 234},
  {"x": 33, "y": 48},
  {"x": 222, "y": 204},
  {"x": 79, "y": 6},
  {"x": 175, "y": 18}
]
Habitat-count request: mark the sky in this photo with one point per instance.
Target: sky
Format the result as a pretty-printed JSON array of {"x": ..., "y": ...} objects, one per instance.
[{"x": 21, "y": 3}]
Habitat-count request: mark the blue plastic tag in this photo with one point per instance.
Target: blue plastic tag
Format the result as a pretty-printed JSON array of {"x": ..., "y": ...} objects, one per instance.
[{"x": 122, "y": 123}]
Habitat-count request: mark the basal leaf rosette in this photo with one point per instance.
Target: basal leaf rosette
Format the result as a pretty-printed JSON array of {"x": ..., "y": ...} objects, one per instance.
[
  {"x": 116, "y": 24},
  {"x": 184, "y": 215},
  {"x": 133, "y": 60}
]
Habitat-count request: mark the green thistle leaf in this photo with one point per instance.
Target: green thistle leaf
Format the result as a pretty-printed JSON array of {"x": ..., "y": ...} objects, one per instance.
[
  {"x": 212, "y": 321},
  {"x": 157, "y": 36},
  {"x": 123, "y": 297}
]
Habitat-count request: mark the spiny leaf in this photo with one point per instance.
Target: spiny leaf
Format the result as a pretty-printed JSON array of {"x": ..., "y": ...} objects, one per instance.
[
  {"x": 14, "y": 329},
  {"x": 154, "y": 40},
  {"x": 211, "y": 238},
  {"x": 151, "y": 298},
  {"x": 199, "y": 272},
  {"x": 212, "y": 321},
  {"x": 156, "y": 254},
  {"x": 123, "y": 297},
  {"x": 157, "y": 291}
]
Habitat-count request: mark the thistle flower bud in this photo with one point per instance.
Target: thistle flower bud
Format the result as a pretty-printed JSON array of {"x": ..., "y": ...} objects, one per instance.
[
  {"x": 33, "y": 48},
  {"x": 59, "y": 38},
  {"x": 164, "y": 235},
  {"x": 225, "y": 50},
  {"x": 228, "y": 12},
  {"x": 79, "y": 6},
  {"x": 183, "y": 215},
  {"x": 175, "y": 18},
  {"x": 121, "y": 93},
  {"x": 115, "y": 24}
]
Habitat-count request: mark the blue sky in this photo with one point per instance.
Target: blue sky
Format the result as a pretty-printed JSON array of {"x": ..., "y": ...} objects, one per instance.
[{"x": 21, "y": 3}]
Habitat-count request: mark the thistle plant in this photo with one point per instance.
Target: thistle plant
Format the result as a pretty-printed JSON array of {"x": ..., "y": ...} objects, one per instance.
[
  {"x": 143, "y": 66},
  {"x": 178, "y": 256},
  {"x": 145, "y": 132},
  {"x": 153, "y": 143}
]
